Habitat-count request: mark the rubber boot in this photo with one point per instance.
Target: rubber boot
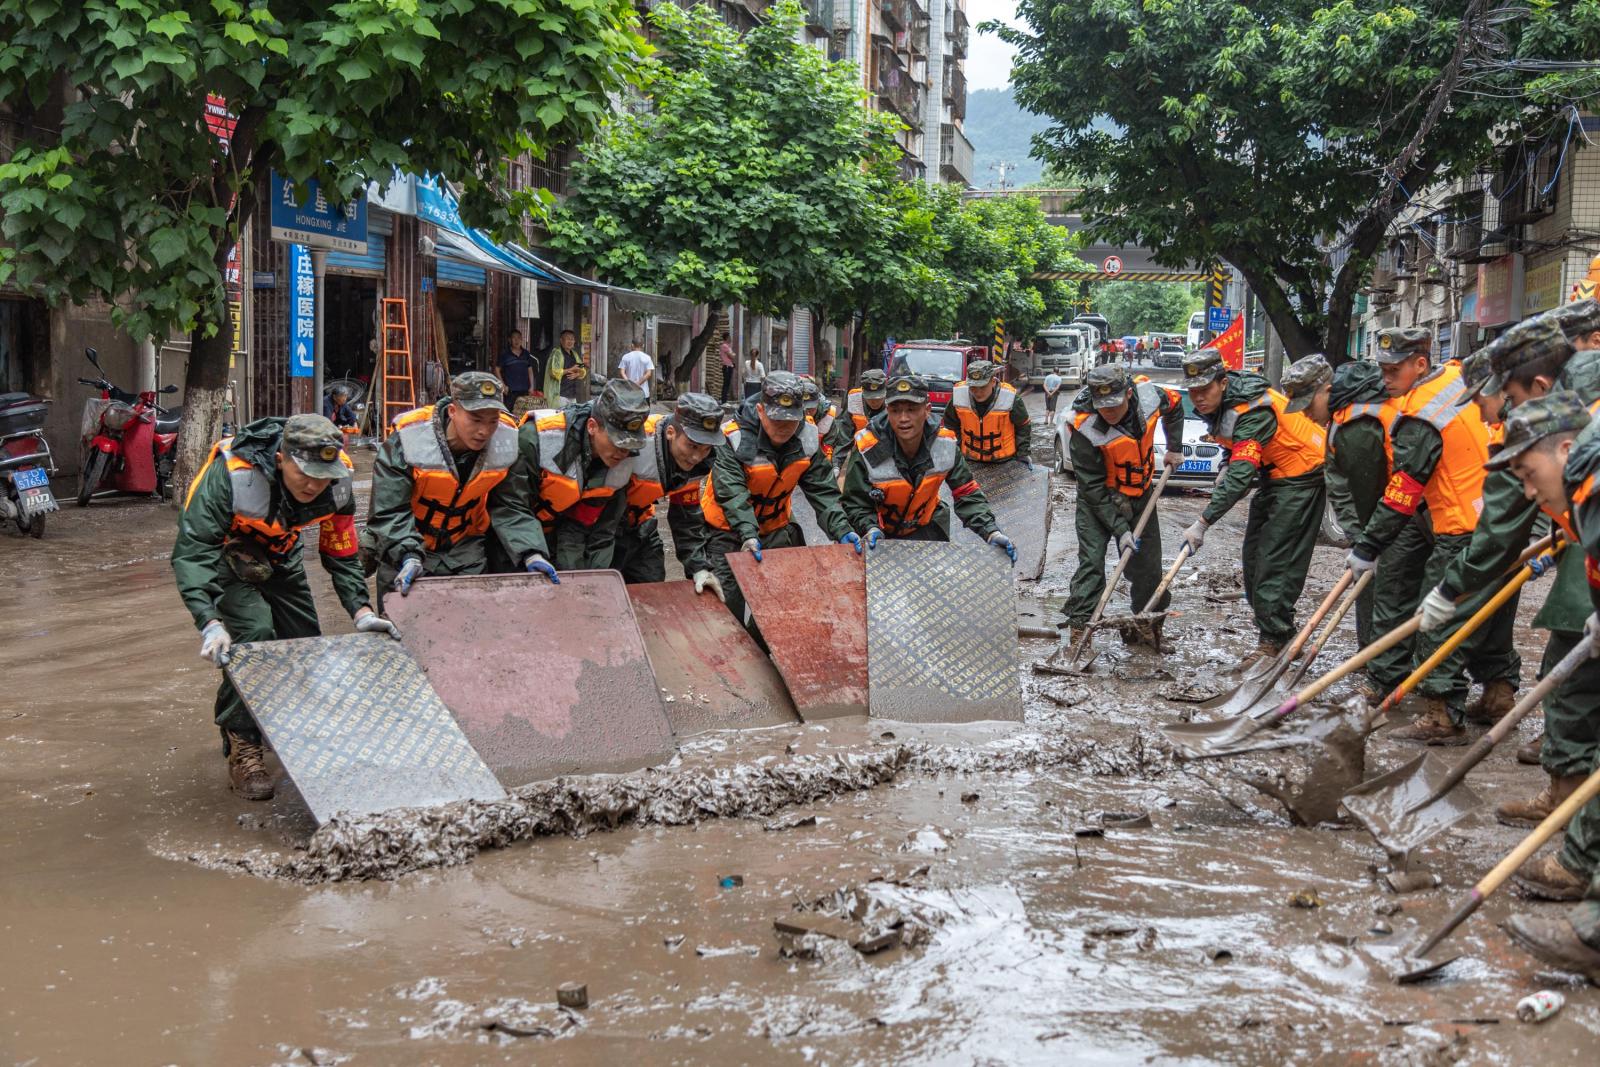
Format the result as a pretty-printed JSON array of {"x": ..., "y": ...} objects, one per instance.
[
  {"x": 1551, "y": 939},
  {"x": 1497, "y": 698},
  {"x": 1529, "y": 753},
  {"x": 1536, "y": 809},
  {"x": 246, "y": 771},
  {"x": 1547, "y": 878},
  {"x": 1433, "y": 727}
]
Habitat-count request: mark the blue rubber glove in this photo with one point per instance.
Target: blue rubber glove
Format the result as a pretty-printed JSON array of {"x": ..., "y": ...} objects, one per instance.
[
  {"x": 1541, "y": 564},
  {"x": 752, "y": 546},
  {"x": 852, "y": 538},
  {"x": 1000, "y": 540},
  {"x": 537, "y": 564},
  {"x": 874, "y": 535},
  {"x": 410, "y": 571}
]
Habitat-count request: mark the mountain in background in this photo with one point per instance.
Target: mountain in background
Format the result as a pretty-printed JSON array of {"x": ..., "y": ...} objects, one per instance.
[{"x": 1000, "y": 130}]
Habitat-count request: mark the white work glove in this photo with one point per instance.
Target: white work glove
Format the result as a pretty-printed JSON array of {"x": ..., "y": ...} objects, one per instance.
[
  {"x": 215, "y": 643},
  {"x": 370, "y": 622},
  {"x": 1126, "y": 543},
  {"x": 1591, "y": 630},
  {"x": 1001, "y": 541},
  {"x": 537, "y": 564},
  {"x": 1172, "y": 458},
  {"x": 874, "y": 535},
  {"x": 409, "y": 572},
  {"x": 704, "y": 580},
  {"x": 1195, "y": 535},
  {"x": 1359, "y": 564},
  {"x": 1436, "y": 609},
  {"x": 752, "y": 546}
]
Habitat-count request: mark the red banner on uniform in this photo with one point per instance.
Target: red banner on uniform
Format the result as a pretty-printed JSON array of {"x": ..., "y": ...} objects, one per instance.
[{"x": 1230, "y": 343}]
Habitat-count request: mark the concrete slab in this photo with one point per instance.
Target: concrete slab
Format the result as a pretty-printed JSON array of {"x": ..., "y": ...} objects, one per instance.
[
  {"x": 544, "y": 679},
  {"x": 941, "y": 633},
  {"x": 712, "y": 673},
  {"x": 811, "y": 605},
  {"x": 1020, "y": 498},
  {"x": 357, "y": 726}
]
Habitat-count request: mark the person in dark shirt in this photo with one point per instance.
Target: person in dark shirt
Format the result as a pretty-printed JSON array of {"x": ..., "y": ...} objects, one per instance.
[
  {"x": 516, "y": 367},
  {"x": 337, "y": 410}
]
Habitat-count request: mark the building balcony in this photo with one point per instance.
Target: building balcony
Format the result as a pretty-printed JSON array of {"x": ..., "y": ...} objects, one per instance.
[
  {"x": 911, "y": 168},
  {"x": 819, "y": 15},
  {"x": 955, "y": 34},
  {"x": 955, "y": 155},
  {"x": 896, "y": 15}
]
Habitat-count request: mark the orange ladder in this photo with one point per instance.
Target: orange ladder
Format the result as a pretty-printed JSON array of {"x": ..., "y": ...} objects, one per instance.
[{"x": 398, "y": 390}]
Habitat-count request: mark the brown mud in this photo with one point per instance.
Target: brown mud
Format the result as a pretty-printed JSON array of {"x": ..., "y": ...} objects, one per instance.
[{"x": 150, "y": 916}]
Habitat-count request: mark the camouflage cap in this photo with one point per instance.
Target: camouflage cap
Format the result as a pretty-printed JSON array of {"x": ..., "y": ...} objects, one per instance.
[
  {"x": 314, "y": 443},
  {"x": 980, "y": 371},
  {"x": 912, "y": 388},
  {"x": 1528, "y": 424},
  {"x": 810, "y": 390},
  {"x": 1403, "y": 342},
  {"x": 699, "y": 416},
  {"x": 1302, "y": 379},
  {"x": 1202, "y": 368},
  {"x": 1108, "y": 385},
  {"x": 873, "y": 383},
  {"x": 783, "y": 397},
  {"x": 621, "y": 411},
  {"x": 1534, "y": 339},
  {"x": 1579, "y": 318},
  {"x": 477, "y": 390}
]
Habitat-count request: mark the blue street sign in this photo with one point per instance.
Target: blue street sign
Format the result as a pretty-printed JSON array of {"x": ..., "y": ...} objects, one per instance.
[
  {"x": 302, "y": 313},
  {"x": 1218, "y": 319},
  {"x": 317, "y": 222}
]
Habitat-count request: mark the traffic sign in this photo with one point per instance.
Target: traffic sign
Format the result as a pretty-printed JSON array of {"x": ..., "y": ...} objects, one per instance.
[
  {"x": 1112, "y": 265},
  {"x": 1217, "y": 319},
  {"x": 317, "y": 223}
]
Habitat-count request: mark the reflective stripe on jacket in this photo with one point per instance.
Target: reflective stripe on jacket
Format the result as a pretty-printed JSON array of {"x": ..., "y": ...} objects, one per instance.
[
  {"x": 251, "y": 489},
  {"x": 770, "y": 488},
  {"x": 1130, "y": 462},
  {"x": 1455, "y": 492},
  {"x": 989, "y": 437},
  {"x": 561, "y": 492},
  {"x": 448, "y": 509},
  {"x": 903, "y": 509},
  {"x": 1298, "y": 447}
]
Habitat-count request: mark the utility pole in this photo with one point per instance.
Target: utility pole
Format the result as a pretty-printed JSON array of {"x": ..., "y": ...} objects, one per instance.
[{"x": 1003, "y": 167}]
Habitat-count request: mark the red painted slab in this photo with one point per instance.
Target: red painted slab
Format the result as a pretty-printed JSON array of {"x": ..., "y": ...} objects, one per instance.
[
  {"x": 811, "y": 605},
  {"x": 544, "y": 679},
  {"x": 711, "y": 673}
]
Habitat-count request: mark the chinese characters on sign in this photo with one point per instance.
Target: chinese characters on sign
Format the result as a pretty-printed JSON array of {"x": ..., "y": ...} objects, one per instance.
[
  {"x": 317, "y": 222},
  {"x": 302, "y": 313}
]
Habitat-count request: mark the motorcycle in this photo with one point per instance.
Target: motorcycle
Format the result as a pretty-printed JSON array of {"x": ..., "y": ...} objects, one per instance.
[
  {"x": 25, "y": 463},
  {"x": 130, "y": 442}
]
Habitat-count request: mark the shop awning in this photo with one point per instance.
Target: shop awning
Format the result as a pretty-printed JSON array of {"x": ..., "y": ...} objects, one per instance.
[{"x": 673, "y": 308}]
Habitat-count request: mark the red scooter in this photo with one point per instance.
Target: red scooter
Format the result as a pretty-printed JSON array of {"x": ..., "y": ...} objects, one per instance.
[{"x": 129, "y": 441}]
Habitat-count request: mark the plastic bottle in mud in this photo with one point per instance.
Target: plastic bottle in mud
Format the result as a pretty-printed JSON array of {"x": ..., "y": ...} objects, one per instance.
[{"x": 1537, "y": 1007}]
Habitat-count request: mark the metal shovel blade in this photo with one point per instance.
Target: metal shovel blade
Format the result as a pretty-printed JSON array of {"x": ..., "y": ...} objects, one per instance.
[
  {"x": 1394, "y": 808},
  {"x": 1231, "y": 737},
  {"x": 1257, "y": 697},
  {"x": 1409, "y": 970}
]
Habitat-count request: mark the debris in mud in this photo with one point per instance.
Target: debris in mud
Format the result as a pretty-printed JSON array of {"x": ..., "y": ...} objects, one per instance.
[
  {"x": 926, "y": 840},
  {"x": 869, "y": 917},
  {"x": 1537, "y": 1007},
  {"x": 789, "y": 822},
  {"x": 858, "y": 936},
  {"x": 1067, "y": 696},
  {"x": 1305, "y": 898},
  {"x": 1219, "y": 954},
  {"x": 711, "y": 951},
  {"x": 673, "y": 942},
  {"x": 1388, "y": 907},
  {"x": 969, "y": 798},
  {"x": 731, "y": 881},
  {"x": 572, "y": 995},
  {"x": 1154, "y": 674},
  {"x": 1188, "y": 692},
  {"x": 1412, "y": 881},
  {"x": 1125, "y": 820},
  {"x": 1144, "y": 941},
  {"x": 516, "y": 1018}
]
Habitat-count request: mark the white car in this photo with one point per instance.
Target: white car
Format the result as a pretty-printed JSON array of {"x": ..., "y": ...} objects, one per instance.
[{"x": 1202, "y": 460}]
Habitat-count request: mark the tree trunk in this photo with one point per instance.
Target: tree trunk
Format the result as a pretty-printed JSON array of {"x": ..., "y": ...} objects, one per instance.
[
  {"x": 1298, "y": 338},
  {"x": 697, "y": 345},
  {"x": 204, "y": 387}
]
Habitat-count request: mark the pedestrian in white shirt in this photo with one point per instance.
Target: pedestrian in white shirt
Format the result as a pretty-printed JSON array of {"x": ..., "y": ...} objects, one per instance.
[{"x": 637, "y": 366}]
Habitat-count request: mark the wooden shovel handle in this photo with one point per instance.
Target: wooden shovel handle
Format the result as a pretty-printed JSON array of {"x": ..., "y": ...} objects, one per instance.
[
  {"x": 1166, "y": 579},
  {"x": 1321, "y": 613},
  {"x": 1329, "y": 628},
  {"x": 1348, "y": 667},
  {"x": 1124, "y": 558}
]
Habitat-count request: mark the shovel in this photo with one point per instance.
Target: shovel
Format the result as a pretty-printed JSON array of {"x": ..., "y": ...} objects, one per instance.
[
  {"x": 1419, "y": 799},
  {"x": 1328, "y": 630},
  {"x": 1417, "y": 966}
]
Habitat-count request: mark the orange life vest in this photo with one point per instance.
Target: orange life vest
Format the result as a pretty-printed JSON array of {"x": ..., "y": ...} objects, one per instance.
[
  {"x": 1384, "y": 411},
  {"x": 770, "y": 488},
  {"x": 991, "y": 437},
  {"x": 856, "y": 406},
  {"x": 646, "y": 486},
  {"x": 1130, "y": 461},
  {"x": 824, "y": 422},
  {"x": 1298, "y": 447},
  {"x": 1455, "y": 492},
  {"x": 561, "y": 492},
  {"x": 448, "y": 510},
  {"x": 252, "y": 505},
  {"x": 905, "y": 508}
]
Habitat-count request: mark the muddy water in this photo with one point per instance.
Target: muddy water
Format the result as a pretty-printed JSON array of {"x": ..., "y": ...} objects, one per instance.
[{"x": 149, "y": 916}]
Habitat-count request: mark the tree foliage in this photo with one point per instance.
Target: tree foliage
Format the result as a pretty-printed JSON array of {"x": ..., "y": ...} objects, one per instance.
[
  {"x": 749, "y": 178},
  {"x": 1259, "y": 133},
  {"x": 1140, "y": 308},
  {"x": 132, "y": 198}
]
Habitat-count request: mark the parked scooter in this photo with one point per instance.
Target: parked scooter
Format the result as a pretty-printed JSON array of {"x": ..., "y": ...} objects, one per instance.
[
  {"x": 129, "y": 441},
  {"x": 25, "y": 463}
]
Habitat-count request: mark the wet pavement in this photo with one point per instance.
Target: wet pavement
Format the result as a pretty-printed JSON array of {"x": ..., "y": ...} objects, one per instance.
[{"x": 150, "y": 916}]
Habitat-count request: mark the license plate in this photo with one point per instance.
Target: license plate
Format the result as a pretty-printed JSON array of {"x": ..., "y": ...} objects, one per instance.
[
  {"x": 37, "y": 501},
  {"x": 31, "y": 478},
  {"x": 1194, "y": 466}
]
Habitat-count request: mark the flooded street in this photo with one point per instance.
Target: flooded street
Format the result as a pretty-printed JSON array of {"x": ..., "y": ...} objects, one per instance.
[{"x": 151, "y": 916}]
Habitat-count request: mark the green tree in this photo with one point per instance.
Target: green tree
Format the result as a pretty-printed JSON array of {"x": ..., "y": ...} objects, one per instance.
[
  {"x": 1144, "y": 307},
  {"x": 1283, "y": 136},
  {"x": 133, "y": 200},
  {"x": 996, "y": 245},
  {"x": 748, "y": 180}
]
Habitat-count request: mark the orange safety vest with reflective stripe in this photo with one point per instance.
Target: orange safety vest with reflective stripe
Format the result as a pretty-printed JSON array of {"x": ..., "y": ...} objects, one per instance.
[
  {"x": 561, "y": 492},
  {"x": 824, "y": 423},
  {"x": 449, "y": 510},
  {"x": 1298, "y": 447},
  {"x": 856, "y": 406},
  {"x": 1455, "y": 491},
  {"x": 1130, "y": 461},
  {"x": 646, "y": 485},
  {"x": 252, "y": 503},
  {"x": 990, "y": 437},
  {"x": 1384, "y": 411},
  {"x": 903, "y": 508},
  {"x": 769, "y": 487}
]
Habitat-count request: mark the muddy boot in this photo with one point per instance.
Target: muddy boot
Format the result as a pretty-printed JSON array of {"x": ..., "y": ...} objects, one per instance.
[
  {"x": 1547, "y": 878},
  {"x": 1536, "y": 809},
  {"x": 1156, "y": 626},
  {"x": 1263, "y": 652},
  {"x": 1497, "y": 698},
  {"x": 1551, "y": 939},
  {"x": 1369, "y": 690},
  {"x": 1433, "y": 727},
  {"x": 1529, "y": 753},
  {"x": 246, "y": 770}
]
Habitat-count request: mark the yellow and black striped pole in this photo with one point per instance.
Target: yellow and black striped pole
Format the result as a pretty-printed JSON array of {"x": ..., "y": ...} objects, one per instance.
[
  {"x": 1219, "y": 286},
  {"x": 999, "y": 340}
]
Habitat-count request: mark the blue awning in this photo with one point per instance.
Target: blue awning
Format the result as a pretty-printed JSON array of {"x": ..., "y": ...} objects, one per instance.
[{"x": 430, "y": 198}]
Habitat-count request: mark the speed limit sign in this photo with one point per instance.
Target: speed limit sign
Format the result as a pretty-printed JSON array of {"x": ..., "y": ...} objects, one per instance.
[{"x": 1112, "y": 265}]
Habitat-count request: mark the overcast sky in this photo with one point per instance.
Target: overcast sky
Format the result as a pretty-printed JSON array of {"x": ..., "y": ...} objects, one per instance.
[{"x": 989, "y": 58}]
